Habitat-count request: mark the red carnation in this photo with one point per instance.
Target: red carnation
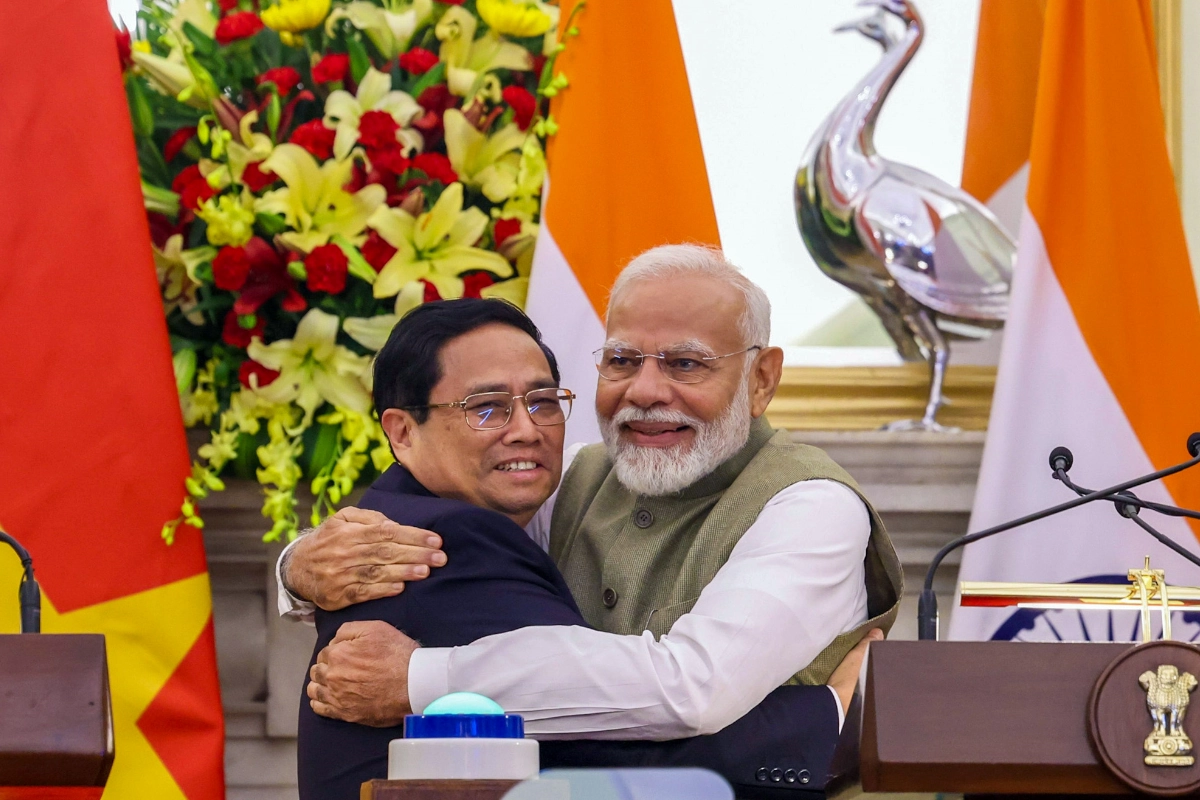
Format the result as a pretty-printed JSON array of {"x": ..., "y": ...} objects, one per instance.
[
  {"x": 418, "y": 61},
  {"x": 388, "y": 160},
  {"x": 431, "y": 292},
  {"x": 230, "y": 268},
  {"x": 377, "y": 130},
  {"x": 332, "y": 67},
  {"x": 234, "y": 335},
  {"x": 264, "y": 375},
  {"x": 523, "y": 104},
  {"x": 186, "y": 175},
  {"x": 227, "y": 5},
  {"x": 326, "y": 266},
  {"x": 268, "y": 278},
  {"x": 476, "y": 282},
  {"x": 125, "y": 48},
  {"x": 315, "y": 138},
  {"x": 192, "y": 188},
  {"x": 437, "y": 98},
  {"x": 284, "y": 78},
  {"x": 178, "y": 139},
  {"x": 377, "y": 251},
  {"x": 436, "y": 166},
  {"x": 255, "y": 179},
  {"x": 241, "y": 25},
  {"x": 505, "y": 229}
]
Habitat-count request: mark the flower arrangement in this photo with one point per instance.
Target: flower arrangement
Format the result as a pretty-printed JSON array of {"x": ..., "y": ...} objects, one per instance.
[{"x": 312, "y": 170}]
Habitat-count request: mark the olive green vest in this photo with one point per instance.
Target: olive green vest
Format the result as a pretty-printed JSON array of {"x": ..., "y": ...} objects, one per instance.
[{"x": 637, "y": 563}]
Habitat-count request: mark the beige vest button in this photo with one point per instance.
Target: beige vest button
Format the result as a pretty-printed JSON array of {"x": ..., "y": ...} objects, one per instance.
[
  {"x": 643, "y": 518},
  {"x": 609, "y": 597}
]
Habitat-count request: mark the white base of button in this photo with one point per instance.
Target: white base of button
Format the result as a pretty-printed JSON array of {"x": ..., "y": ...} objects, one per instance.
[{"x": 462, "y": 759}]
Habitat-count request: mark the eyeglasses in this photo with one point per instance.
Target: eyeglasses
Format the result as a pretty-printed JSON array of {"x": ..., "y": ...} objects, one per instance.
[
  {"x": 491, "y": 410},
  {"x": 682, "y": 365}
]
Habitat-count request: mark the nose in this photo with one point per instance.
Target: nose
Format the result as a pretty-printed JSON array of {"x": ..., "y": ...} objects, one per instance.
[
  {"x": 520, "y": 427},
  {"x": 649, "y": 386}
]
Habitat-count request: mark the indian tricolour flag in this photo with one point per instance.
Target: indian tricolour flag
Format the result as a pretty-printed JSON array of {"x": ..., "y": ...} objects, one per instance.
[
  {"x": 1102, "y": 350},
  {"x": 626, "y": 173}
]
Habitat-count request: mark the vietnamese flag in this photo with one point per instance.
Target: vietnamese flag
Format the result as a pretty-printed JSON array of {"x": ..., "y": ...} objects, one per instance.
[{"x": 92, "y": 449}]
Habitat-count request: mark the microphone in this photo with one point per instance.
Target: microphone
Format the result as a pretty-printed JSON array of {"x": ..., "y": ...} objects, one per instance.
[
  {"x": 1060, "y": 461},
  {"x": 29, "y": 594}
]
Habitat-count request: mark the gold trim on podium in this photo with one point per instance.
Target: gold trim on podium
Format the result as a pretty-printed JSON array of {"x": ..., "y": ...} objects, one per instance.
[{"x": 866, "y": 398}]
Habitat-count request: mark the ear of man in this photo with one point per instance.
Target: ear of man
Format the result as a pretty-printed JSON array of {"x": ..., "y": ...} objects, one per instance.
[
  {"x": 401, "y": 429},
  {"x": 765, "y": 374}
]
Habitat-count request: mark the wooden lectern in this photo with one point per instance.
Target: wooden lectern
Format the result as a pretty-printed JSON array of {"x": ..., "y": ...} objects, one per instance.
[
  {"x": 984, "y": 718},
  {"x": 56, "y": 732}
]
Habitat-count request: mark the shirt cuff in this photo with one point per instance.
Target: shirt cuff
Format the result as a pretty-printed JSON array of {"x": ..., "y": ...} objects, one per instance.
[
  {"x": 428, "y": 676},
  {"x": 287, "y": 603},
  {"x": 837, "y": 701}
]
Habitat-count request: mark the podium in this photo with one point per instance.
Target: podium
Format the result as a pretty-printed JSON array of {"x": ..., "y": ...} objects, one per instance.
[
  {"x": 56, "y": 732},
  {"x": 985, "y": 718}
]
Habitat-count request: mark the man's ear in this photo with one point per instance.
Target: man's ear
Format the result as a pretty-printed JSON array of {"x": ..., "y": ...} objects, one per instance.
[
  {"x": 400, "y": 428},
  {"x": 765, "y": 375}
]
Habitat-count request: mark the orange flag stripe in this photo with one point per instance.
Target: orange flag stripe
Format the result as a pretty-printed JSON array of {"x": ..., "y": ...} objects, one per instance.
[
  {"x": 626, "y": 168},
  {"x": 1102, "y": 192},
  {"x": 1003, "y": 88}
]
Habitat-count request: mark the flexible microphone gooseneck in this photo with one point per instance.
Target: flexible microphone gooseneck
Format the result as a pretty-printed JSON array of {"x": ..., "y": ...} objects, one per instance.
[
  {"x": 29, "y": 594},
  {"x": 1060, "y": 461}
]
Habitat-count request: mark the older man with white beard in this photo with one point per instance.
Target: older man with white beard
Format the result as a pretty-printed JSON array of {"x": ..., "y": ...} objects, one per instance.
[{"x": 716, "y": 558}]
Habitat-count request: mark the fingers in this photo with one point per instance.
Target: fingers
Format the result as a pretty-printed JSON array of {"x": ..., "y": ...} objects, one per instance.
[
  {"x": 362, "y": 592},
  {"x": 355, "y": 630},
  {"x": 387, "y": 531},
  {"x": 362, "y": 516},
  {"x": 393, "y": 553}
]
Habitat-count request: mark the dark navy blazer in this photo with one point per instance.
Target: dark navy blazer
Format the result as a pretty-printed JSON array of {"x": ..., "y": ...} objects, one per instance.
[{"x": 497, "y": 579}]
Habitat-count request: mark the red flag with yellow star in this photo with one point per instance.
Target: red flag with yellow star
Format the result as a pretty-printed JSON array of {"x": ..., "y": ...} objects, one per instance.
[{"x": 92, "y": 449}]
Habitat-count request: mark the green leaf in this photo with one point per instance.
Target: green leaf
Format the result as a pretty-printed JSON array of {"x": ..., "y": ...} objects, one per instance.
[
  {"x": 150, "y": 160},
  {"x": 433, "y": 76},
  {"x": 139, "y": 107},
  {"x": 322, "y": 449},
  {"x": 359, "y": 61},
  {"x": 206, "y": 46},
  {"x": 271, "y": 224},
  {"x": 359, "y": 267},
  {"x": 273, "y": 112}
]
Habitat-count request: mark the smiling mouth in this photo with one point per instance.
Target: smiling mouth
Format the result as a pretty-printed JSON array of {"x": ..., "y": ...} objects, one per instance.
[
  {"x": 657, "y": 430},
  {"x": 517, "y": 466}
]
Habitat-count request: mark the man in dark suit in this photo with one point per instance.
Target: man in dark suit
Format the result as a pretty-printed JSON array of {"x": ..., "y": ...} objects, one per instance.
[{"x": 470, "y": 400}]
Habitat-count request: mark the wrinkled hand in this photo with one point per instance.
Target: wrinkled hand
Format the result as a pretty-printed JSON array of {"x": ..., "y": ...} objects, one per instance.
[
  {"x": 362, "y": 675},
  {"x": 844, "y": 679},
  {"x": 359, "y": 555}
]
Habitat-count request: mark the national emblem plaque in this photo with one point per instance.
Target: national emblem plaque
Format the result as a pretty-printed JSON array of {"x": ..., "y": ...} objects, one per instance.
[{"x": 1136, "y": 718}]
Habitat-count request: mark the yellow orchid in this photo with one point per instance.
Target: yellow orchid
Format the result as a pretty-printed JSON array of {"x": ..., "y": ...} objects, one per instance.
[
  {"x": 343, "y": 110},
  {"x": 290, "y": 17},
  {"x": 313, "y": 368},
  {"x": 177, "y": 280},
  {"x": 372, "y": 332},
  {"x": 230, "y": 219},
  {"x": 436, "y": 246},
  {"x": 390, "y": 28},
  {"x": 469, "y": 60},
  {"x": 488, "y": 162},
  {"x": 314, "y": 203},
  {"x": 520, "y": 18}
]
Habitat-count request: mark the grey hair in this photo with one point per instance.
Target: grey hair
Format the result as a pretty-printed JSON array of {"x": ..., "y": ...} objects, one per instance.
[{"x": 700, "y": 260}]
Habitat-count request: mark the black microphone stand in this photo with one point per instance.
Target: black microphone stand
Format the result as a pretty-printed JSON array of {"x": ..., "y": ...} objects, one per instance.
[
  {"x": 29, "y": 594},
  {"x": 1060, "y": 462}
]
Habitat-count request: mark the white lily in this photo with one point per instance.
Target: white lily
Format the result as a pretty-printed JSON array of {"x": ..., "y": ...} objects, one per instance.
[
  {"x": 170, "y": 76},
  {"x": 488, "y": 162},
  {"x": 313, "y": 368},
  {"x": 372, "y": 332},
  {"x": 314, "y": 203},
  {"x": 469, "y": 60},
  {"x": 177, "y": 279},
  {"x": 343, "y": 111},
  {"x": 390, "y": 29},
  {"x": 436, "y": 246}
]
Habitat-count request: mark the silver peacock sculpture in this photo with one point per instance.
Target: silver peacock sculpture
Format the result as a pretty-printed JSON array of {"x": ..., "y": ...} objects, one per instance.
[{"x": 930, "y": 260}]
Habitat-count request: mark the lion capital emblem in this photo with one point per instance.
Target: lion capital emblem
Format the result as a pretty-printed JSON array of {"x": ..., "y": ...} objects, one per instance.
[{"x": 1167, "y": 695}]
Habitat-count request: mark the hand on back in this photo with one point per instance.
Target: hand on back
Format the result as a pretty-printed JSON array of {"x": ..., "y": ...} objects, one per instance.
[{"x": 358, "y": 555}]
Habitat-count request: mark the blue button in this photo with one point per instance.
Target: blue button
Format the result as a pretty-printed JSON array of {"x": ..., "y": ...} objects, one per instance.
[{"x": 458, "y": 726}]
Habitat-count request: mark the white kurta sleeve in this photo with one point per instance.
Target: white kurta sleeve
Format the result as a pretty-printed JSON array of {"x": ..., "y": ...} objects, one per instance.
[
  {"x": 290, "y": 605},
  {"x": 793, "y": 582}
]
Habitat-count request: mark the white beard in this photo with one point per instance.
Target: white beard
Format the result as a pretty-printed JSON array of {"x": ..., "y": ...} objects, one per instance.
[{"x": 656, "y": 471}]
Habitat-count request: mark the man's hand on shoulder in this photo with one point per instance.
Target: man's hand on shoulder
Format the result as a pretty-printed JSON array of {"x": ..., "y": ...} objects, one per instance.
[
  {"x": 358, "y": 555},
  {"x": 362, "y": 676}
]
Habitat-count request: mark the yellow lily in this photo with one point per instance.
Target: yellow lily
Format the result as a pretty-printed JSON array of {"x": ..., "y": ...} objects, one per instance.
[
  {"x": 372, "y": 332},
  {"x": 343, "y": 111},
  {"x": 531, "y": 174},
  {"x": 520, "y": 18},
  {"x": 436, "y": 246},
  {"x": 488, "y": 162},
  {"x": 252, "y": 147},
  {"x": 230, "y": 219},
  {"x": 314, "y": 203},
  {"x": 177, "y": 280},
  {"x": 313, "y": 368},
  {"x": 390, "y": 28},
  {"x": 290, "y": 17},
  {"x": 469, "y": 60}
]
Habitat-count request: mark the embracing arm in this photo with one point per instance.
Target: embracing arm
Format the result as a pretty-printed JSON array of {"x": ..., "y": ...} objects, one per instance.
[{"x": 791, "y": 585}]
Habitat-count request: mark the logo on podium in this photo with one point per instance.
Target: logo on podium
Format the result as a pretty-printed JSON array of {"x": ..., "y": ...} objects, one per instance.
[{"x": 1167, "y": 694}]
